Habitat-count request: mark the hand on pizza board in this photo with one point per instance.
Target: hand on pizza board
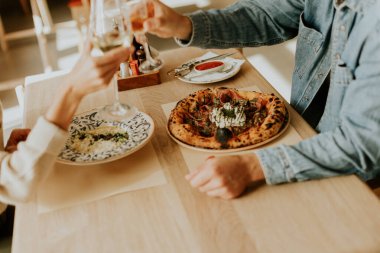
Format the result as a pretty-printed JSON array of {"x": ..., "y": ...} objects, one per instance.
[{"x": 226, "y": 176}]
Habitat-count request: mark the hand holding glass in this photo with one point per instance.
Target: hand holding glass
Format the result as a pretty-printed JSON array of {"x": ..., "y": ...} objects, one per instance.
[
  {"x": 108, "y": 31},
  {"x": 137, "y": 11}
]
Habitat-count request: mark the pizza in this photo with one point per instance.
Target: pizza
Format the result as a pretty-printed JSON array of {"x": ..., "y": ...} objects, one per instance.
[{"x": 225, "y": 118}]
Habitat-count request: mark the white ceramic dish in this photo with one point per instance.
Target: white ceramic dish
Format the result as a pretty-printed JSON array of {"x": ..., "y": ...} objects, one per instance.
[{"x": 209, "y": 67}]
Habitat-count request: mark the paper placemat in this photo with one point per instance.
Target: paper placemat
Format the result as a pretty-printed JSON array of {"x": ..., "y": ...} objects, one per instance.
[
  {"x": 73, "y": 185},
  {"x": 193, "y": 158}
]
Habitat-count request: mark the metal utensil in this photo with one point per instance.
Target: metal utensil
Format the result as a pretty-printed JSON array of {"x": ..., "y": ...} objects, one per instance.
[{"x": 187, "y": 67}]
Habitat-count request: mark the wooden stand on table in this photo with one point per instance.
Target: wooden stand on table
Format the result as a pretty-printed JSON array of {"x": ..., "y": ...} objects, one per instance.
[{"x": 134, "y": 82}]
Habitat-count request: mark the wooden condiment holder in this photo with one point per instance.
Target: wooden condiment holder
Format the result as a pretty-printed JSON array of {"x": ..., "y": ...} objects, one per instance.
[{"x": 138, "y": 81}]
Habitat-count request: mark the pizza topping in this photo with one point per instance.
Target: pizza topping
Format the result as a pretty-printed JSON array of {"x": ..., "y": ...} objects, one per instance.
[
  {"x": 225, "y": 98},
  {"x": 205, "y": 131},
  {"x": 228, "y": 116},
  {"x": 223, "y": 135},
  {"x": 259, "y": 117}
]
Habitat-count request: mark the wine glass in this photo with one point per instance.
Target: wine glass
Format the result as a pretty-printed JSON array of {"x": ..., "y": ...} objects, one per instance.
[
  {"x": 108, "y": 31},
  {"x": 137, "y": 11}
]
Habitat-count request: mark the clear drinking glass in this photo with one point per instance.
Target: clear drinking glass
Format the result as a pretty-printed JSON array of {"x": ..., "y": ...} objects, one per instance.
[
  {"x": 108, "y": 31},
  {"x": 137, "y": 11}
]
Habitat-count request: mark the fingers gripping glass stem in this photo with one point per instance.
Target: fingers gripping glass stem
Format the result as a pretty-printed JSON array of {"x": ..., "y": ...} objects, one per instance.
[
  {"x": 151, "y": 64},
  {"x": 138, "y": 11},
  {"x": 108, "y": 31}
]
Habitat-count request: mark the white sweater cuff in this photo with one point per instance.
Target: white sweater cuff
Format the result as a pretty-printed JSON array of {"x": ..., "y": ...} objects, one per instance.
[{"x": 47, "y": 137}]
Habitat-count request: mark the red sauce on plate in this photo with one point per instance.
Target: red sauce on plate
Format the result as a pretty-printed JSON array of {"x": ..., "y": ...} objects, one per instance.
[{"x": 208, "y": 65}]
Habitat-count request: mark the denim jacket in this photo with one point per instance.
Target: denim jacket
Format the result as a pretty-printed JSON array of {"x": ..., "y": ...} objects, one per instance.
[{"x": 340, "y": 37}]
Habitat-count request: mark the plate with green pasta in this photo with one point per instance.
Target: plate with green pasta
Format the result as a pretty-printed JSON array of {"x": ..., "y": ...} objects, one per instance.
[{"x": 93, "y": 140}]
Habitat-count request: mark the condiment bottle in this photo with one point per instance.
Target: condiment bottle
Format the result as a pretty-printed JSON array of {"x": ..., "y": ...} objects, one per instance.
[
  {"x": 124, "y": 70},
  {"x": 136, "y": 45},
  {"x": 140, "y": 54}
]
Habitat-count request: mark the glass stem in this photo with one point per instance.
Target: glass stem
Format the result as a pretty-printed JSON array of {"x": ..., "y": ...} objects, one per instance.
[
  {"x": 115, "y": 90},
  {"x": 147, "y": 52},
  {"x": 148, "y": 56}
]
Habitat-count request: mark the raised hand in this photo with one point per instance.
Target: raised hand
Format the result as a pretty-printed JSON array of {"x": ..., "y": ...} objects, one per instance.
[
  {"x": 94, "y": 73},
  {"x": 166, "y": 23},
  {"x": 89, "y": 74}
]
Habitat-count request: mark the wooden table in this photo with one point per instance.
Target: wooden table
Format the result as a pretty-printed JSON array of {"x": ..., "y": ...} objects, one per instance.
[{"x": 333, "y": 215}]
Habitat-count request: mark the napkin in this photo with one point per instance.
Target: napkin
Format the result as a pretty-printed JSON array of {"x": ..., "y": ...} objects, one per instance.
[{"x": 68, "y": 186}]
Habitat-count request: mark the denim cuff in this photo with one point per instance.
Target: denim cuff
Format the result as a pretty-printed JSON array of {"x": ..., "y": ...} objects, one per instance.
[
  {"x": 201, "y": 31},
  {"x": 276, "y": 165}
]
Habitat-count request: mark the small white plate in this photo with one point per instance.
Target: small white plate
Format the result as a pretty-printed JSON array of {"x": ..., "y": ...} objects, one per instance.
[
  {"x": 140, "y": 130},
  {"x": 231, "y": 68}
]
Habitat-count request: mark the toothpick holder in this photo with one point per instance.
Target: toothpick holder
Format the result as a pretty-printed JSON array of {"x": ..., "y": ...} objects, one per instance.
[{"x": 138, "y": 81}]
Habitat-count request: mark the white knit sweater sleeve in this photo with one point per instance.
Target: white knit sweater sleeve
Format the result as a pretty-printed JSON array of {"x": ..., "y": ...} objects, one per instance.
[{"x": 21, "y": 171}]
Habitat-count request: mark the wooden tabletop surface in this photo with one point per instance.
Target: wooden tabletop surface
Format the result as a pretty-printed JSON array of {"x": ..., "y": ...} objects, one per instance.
[{"x": 332, "y": 215}]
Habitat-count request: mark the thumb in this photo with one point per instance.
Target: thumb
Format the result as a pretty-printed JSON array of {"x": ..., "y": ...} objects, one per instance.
[{"x": 121, "y": 54}]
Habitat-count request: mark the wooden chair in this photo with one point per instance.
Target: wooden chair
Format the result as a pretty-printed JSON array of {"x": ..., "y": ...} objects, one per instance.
[
  {"x": 25, "y": 6},
  {"x": 374, "y": 184},
  {"x": 43, "y": 25},
  {"x": 80, "y": 11},
  {"x": 3, "y": 39},
  {"x": 377, "y": 192}
]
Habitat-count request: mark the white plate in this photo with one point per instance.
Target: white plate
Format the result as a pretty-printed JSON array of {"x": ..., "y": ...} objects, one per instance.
[
  {"x": 232, "y": 67},
  {"x": 140, "y": 130}
]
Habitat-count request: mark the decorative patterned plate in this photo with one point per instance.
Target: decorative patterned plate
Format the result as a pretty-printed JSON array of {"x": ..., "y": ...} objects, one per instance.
[{"x": 139, "y": 130}]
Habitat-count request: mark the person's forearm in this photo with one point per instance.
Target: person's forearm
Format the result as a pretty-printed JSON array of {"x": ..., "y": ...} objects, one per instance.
[
  {"x": 245, "y": 24},
  {"x": 255, "y": 170},
  {"x": 185, "y": 30},
  {"x": 64, "y": 107}
]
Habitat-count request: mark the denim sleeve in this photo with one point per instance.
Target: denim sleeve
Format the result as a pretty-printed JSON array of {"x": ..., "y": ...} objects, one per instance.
[
  {"x": 247, "y": 23},
  {"x": 351, "y": 148}
]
